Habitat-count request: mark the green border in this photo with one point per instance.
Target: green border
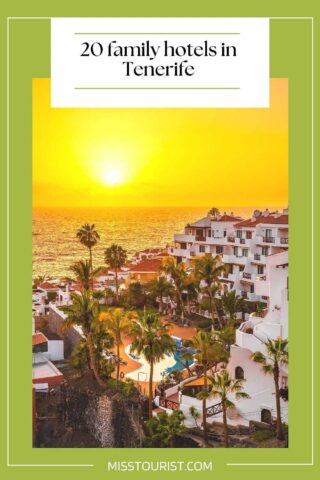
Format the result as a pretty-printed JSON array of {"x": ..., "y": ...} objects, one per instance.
[{"x": 30, "y": 57}]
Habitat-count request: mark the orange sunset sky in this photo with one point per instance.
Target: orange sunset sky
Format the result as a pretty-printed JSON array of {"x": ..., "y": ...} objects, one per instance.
[{"x": 160, "y": 157}]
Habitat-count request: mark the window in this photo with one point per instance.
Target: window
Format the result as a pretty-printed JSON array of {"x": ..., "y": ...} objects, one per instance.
[
  {"x": 251, "y": 288},
  {"x": 183, "y": 246},
  {"x": 202, "y": 248},
  {"x": 260, "y": 269},
  {"x": 235, "y": 251},
  {"x": 219, "y": 249},
  {"x": 239, "y": 233},
  {"x": 239, "y": 373},
  {"x": 224, "y": 233},
  {"x": 244, "y": 252},
  {"x": 266, "y": 416},
  {"x": 268, "y": 233},
  {"x": 265, "y": 250},
  {"x": 248, "y": 235},
  {"x": 209, "y": 233},
  {"x": 41, "y": 347}
]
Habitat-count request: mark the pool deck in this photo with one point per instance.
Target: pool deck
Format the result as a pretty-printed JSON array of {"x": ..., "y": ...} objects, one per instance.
[{"x": 175, "y": 330}]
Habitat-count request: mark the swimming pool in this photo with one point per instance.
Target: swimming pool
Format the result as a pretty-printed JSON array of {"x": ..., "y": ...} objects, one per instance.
[
  {"x": 180, "y": 365},
  {"x": 168, "y": 364}
]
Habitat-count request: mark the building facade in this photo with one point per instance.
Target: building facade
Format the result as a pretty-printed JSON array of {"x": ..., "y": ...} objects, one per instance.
[{"x": 244, "y": 245}]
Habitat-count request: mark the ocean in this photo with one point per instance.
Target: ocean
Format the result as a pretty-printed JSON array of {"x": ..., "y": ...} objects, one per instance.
[{"x": 55, "y": 246}]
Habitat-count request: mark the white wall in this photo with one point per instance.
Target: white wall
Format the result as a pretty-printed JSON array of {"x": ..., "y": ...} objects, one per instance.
[{"x": 55, "y": 350}]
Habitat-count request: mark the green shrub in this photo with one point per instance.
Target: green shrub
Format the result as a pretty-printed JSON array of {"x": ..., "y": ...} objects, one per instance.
[{"x": 261, "y": 435}]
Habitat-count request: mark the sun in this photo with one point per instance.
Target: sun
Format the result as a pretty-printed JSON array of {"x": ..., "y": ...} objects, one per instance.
[{"x": 112, "y": 177}]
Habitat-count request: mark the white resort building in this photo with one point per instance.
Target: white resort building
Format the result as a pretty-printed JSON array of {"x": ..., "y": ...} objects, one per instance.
[
  {"x": 256, "y": 251},
  {"x": 270, "y": 324},
  {"x": 244, "y": 245}
]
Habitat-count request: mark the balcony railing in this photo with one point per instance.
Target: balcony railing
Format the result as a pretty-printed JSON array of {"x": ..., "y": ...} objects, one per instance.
[
  {"x": 269, "y": 239},
  {"x": 284, "y": 241},
  {"x": 200, "y": 238},
  {"x": 257, "y": 256},
  {"x": 170, "y": 404},
  {"x": 244, "y": 294},
  {"x": 247, "y": 275},
  {"x": 284, "y": 394},
  {"x": 242, "y": 241},
  {"x": 231, "y": 239}
]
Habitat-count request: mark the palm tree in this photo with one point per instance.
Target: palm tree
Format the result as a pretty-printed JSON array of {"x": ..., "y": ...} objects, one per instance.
[
  {"x": 108, "y": 295},
  {"x": 164, "y": 428},
  {"x": 116, "y": 323},
  {"x": 203, "y": 343},
  {"x": 194, "y": 414},
  {"x": 161, "y": 288},
  {"x": 226, "y": 337},
  {"x": 83, "y": 273},
  {"x": 208, "y": 269},
  {"x": 277, "y": 354},
  {"x": 83, "y": 312},
  {"x": 38, "y": 280},
  {"x": 152, "y": 340},
  {"x": 186, "y": 359},
  {"x": 115, "y": 257},
  {"x": 88, "y": 236},
  {"x": 222, "y": 386},
  {"x": 232, "y": 303},
  {"x": 214, "y": 212},
  {"x": 177, "y": 272},
  {"x": 191, "y": 287}
]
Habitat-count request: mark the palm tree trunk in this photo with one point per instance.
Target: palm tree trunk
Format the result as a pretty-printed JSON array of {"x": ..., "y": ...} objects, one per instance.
[
  {"x": 93, "y": 364},
  {"x": 181, "y": 305},
  {"x": 280, "y": 435},
  {"x": 117, "y": 295},
  {"x": 160, "y": 304},
  {"x": 91, "y": 269},
  {"x": 225, "y": 425},
  {"x": 150, "y": 389},
  {"x": 118, "y": 365},
  {"x": 204, "y": 406}
]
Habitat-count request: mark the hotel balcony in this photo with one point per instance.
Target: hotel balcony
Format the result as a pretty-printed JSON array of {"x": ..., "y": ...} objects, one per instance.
[
  {"x": 234, "y": 259},
  {"x": 179, "y": 252},
  {"x": 246, "y": 339},
  {"x": 247, "y": 276},
  {"x": 259, "y": 259},
  {"x": 231, "y": 277},
  {"x": 273, "y": 241},
  {"x": 181, "y": 237},
  {"x": 200, "y": 238},
  {"x": 231, "y": 239}
]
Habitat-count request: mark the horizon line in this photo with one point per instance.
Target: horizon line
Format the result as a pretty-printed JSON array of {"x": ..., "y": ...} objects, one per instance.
[{"x": 160, "y": 206}]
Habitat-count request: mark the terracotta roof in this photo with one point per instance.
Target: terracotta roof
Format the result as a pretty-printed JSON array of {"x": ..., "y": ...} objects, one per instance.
[
  {"x": 203, "y": 222},
  {"x": 149, "y": 250},
  {"x": 228, "y": 218},
  {"x": 149, "y": 265},
  {"x": 270, "y": 220},
  {"x": 38, "y": 338},
  {"x": 48, "y": 286}
]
